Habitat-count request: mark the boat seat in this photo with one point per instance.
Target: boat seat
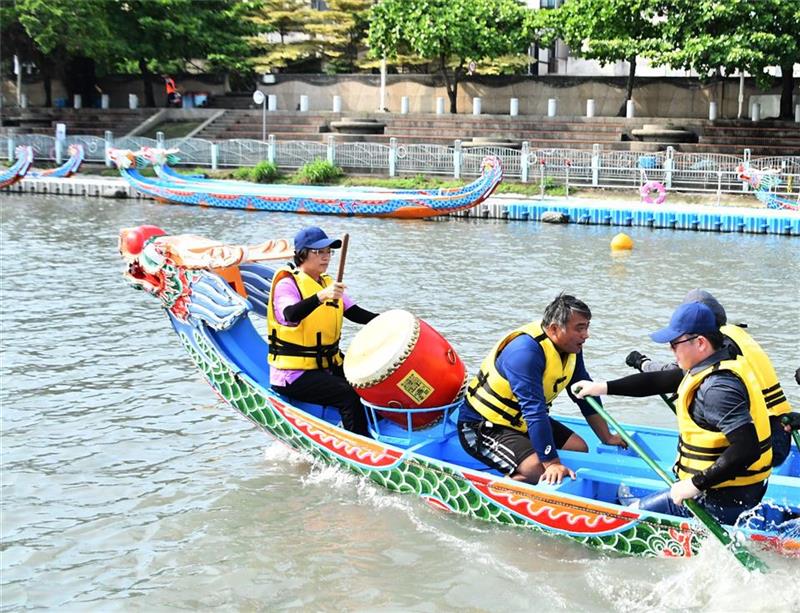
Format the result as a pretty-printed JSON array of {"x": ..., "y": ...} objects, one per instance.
[{"x": 233, "y": 276}]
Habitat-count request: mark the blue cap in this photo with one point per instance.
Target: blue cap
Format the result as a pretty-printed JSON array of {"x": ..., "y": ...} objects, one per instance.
[
  {"x": 314, "y": 238},
  {"x": 689, "y": 318}
]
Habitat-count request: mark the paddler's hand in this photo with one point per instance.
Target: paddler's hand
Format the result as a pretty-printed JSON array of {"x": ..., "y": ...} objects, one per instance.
[
  {"x": 683, "y": 490},
  {"x": 791, "y": 421},
  {"x": 636, "y": 359},
  {"x": 616, "y": 439},
  {"x": 333, "y": 292},
  {"x": 581, "y": 389},
  {"x": 555, "y": 472}
]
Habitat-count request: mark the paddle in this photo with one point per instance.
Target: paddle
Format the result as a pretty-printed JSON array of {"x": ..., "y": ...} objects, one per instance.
[
  {"x": 748, "y": 560},
  {"x": 342, "y": 258}
]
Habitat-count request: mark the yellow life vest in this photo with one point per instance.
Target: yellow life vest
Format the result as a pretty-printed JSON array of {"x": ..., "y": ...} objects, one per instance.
[
  {"x": 489, "y": 393},
  {"x": 775, "y": 399},
  {"x": 699, "y": 448},
  {"x": 314, "y": 342}
]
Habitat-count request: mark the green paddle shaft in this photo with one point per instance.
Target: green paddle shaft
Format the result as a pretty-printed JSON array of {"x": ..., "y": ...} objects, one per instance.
[{"x": 747, "y": 559}]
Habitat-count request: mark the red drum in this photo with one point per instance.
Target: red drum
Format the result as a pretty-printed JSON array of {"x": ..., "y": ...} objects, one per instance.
[{"x": 399, "y": 361}]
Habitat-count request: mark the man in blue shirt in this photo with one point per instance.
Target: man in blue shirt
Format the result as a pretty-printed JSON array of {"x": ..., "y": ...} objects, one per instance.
[{"x": 505, "y": 422}]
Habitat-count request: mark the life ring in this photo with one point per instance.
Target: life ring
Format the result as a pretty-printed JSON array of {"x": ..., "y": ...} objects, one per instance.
[{"x": 653, "y": 192}]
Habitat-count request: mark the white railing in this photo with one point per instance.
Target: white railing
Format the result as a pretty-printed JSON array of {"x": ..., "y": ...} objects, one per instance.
[{"x": 711, "y": 172}]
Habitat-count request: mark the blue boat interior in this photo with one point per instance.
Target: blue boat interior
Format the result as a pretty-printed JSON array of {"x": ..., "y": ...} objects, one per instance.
[{"x": 606, "y": 473}]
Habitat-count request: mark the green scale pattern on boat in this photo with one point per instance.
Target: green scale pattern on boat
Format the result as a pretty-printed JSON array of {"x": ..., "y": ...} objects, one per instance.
[{"x": 415, "y": 475}]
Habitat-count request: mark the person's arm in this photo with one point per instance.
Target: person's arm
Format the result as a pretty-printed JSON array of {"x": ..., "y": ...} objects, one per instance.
[
  {"x": 595, "y": 421},
  {"x": 358, "y": 315},
  {"x": 291, "y": 308},
  {"x": 522, "y": 364}
]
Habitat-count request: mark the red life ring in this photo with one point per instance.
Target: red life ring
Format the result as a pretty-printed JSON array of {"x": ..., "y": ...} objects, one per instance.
[{"x": 653, "y": 192}]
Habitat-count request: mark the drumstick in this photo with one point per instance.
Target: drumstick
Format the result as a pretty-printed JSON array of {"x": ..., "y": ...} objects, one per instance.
[{"x": 342, "y": 258}]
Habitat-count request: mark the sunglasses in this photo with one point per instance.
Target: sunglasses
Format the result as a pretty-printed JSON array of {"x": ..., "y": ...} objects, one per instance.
[
  {"x": 674, "y": 344},
  {"x": 326, "y": 251}
]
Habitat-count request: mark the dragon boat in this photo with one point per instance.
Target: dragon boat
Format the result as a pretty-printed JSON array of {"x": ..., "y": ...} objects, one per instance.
[
  {"x": 216, "y": 296},
  {"x": 16, "y": 172},
  {"x": 170, "y": 186},
  {"x": 67, "y": 169}
]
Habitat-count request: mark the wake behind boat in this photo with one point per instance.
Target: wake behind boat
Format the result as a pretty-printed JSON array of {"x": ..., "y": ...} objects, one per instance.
[
  {"x": 216, "y": 294},
  {"x": 172, "y": 187}
]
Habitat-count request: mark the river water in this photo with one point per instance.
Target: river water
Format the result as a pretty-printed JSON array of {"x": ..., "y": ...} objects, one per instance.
[{"x": 127, "y": 485}]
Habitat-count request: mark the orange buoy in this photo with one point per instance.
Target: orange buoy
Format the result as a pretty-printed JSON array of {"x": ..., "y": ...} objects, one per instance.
[{"x": 621, "y": 241}]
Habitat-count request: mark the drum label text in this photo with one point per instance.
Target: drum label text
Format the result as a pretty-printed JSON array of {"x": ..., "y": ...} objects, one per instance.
[{"x": 415, "y": 387}]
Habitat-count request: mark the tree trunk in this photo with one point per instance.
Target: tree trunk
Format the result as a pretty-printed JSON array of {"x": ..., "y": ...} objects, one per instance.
[
  {"x": 147, "y": 82},
  {"x": 787, "y": 87},
  {"x": 47, "y": 83},
  {"x": 450, "y": 84},
  {"x": 629, "y": 87}
]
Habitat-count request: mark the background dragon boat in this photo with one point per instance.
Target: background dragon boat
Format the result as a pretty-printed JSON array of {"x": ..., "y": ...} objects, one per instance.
[
  {"x": 14, "y": 173},
  {"x": 216, "y": 294},
  {"x": 172, "y": 187},
  {"x": 67, "y": 169}
]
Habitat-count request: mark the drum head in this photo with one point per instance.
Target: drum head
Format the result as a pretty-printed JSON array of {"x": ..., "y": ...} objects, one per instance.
[{"x": 380, "y": 347}]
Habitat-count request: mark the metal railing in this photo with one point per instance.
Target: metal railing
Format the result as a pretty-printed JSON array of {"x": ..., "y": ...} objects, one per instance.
[{"x": 691, "y": 172}]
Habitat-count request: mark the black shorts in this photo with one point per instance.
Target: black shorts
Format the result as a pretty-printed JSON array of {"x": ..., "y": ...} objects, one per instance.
[{"x": 502, "y": 447}]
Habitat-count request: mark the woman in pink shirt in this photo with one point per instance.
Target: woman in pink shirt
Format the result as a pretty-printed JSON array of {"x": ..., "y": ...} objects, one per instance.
[{"x": 304, "y": 319}]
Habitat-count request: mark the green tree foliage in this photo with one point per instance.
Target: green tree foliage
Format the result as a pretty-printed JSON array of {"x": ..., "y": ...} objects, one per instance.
[
  {"x": 341, "y": 33},
  {"x": 735, "y": 35},
  {"x": 282, "y": 39},
  {"x": 450, "y": 33},
  {"x": 609, "y": 31},
  {"x": 151, "y": 35}
]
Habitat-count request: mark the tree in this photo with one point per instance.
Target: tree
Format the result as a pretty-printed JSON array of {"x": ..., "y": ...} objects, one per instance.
[
  {"x": 164, "y": 35},
  {"x": 283, "y": 38},
  {"x": 735, "y": 35},
  {"x": 61, "y": 37},
  {"x": 449, "y": 32},
  {"x": 341, "y": 33},
  {"x": 610, "y": 31}
]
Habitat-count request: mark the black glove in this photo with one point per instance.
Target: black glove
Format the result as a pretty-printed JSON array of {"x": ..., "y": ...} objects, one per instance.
[
  {"x": 636, "y": 359},
  {"x": 792, "y": 420},
  {"x": 797, "y": 376}
]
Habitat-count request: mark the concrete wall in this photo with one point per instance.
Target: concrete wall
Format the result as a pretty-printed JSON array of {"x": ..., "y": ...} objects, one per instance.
[{"x": 653, "y": 97}]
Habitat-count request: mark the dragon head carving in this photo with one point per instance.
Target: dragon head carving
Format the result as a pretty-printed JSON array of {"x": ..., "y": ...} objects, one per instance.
[{"x": 149, "y": 268}]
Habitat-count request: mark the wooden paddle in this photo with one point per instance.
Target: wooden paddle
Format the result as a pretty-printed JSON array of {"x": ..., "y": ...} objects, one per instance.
[
  {"x": 747, "y": 559},
  {"x": 342, "y": 259}
]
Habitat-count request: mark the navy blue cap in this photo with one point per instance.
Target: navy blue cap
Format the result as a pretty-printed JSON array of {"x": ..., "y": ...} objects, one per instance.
[
  {"x": 314, "y": 238},
  {"x": 688, "y": 318}
]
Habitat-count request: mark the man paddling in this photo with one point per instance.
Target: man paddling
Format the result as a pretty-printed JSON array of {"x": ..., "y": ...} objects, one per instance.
[
  {"x": 724, "y": 445},
  {"x": 739, "y": 342},
  {"x": 504, "y": 421}
]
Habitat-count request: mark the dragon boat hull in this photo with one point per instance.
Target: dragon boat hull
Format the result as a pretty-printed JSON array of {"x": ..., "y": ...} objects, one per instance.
[
  {"x": 329, "y": 200},
  {"x": 16, "y": 172},
  {"x": 215, "y": 325}
]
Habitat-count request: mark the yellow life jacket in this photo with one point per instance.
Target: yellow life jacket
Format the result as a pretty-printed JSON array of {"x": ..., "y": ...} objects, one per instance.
[
  {"x": 775, "y": 399},
  {"x": 314, "y": 342},
  {"x": 489, "y": 393},
  {"x": 699, "y": 448}
]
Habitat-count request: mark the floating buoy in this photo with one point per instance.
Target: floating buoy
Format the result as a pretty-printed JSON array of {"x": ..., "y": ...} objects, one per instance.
[{"x": 621, "y": 241}]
